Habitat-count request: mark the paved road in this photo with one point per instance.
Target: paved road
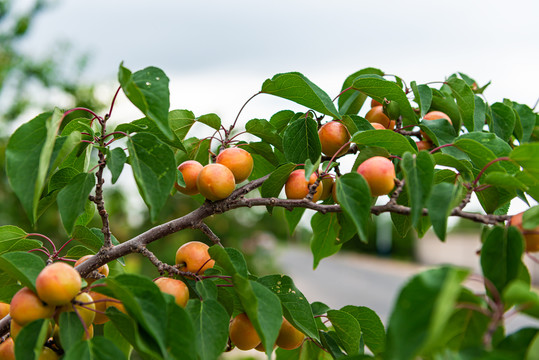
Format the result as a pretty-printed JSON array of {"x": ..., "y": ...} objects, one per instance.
[{"x": 354, "y": 279}]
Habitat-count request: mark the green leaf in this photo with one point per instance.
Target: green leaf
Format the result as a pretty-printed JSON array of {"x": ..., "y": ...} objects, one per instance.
[
  {"x": 263, "y": 149},
  {"x": 293, "y": 217},
  {"x": 421, "y": 311},
  {"x": 266, "y": 131},
  {"x": 372, "y": 329},
  {"x": 296, "y": 308},
  {"x": 210, "y": 321},
  {"x": 180, "y": 122},
  {"x": 72, "y": 199},
  {"x": 527, "y": 156},
  {"x": 230, "y": 259},
  {"x": 395, "y": 143},
  {"x": 23, "y": 266},
  {"x": 61, "y": 178},
  {"x": 280, "y": 119},
  {"x": 519, "y": 293},
  {"x": 212, "y": 120},
  {"x": 28, "y": 156},
  {"x": 275, "y": 182},
  {"x": 181, "y": 338},
  {"x": 446, "y": 104},
  {"x": 348, "y": 330},
  {"x": 12, "y": 237},
  {"x": 378, "y": 88},
  {"x": 351, "y": 101},
  {"x": 423, "y": 97},
  {"x": 301, "y": 141},
  {"x": 296, "y": 87},
  {"x": 148, "y": 90},
  {"x": 418, "y": 173},
  {"x": 526, "y": 119},
  {"x": 71, "y": 329},
  {"x": 464, "y": 167},
  {"x": 479, "y": 154},
  {"x": 356, "y": 123},
  {"x": 324, "y": 242},
  {"x": 501, "y": 256},
  {"x": 354, "y": 196},
  {"x": 440, "y": 204},
  {"x": 440, "y": 131},
  {"x": 503, "y": 180},
  {"x": 7, "y": 291},
  {"x": 530, "y": 218},
  {"x": 97, "y": 348},
  {"x": 31, "y": 338},
  {"x": 479, "y": 113},
  {"x": 503, "y": 120},
  {"x": 115, "y": 162},
  {"x": 154, "y": 168},
  {"x": 310, "y": 168},
  {"x": 465, "y": 101},
  {"x": 93, "y": 238}
]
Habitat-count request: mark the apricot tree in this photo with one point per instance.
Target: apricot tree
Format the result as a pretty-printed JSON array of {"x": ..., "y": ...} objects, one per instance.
[{"x": 486, "y": 150}]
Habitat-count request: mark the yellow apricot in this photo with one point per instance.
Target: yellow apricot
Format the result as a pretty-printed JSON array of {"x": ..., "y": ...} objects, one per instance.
[
  {"x": 190, "y": 170},
  {"x": 379, "y": 173},
  {"x": 58, "y": 284},
  {"x": 194, "y": 257},
  {"x": 243, "y": 333},
  {"x": 239, "y": 161}
]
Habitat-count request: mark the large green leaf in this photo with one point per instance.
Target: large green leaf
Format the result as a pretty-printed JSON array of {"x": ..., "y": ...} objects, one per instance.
[
  {"x": 212, "y": 120},
  {"x": 180, "y": 122},
  {"x": 71, "y": 329},
  {"x": 418, "y": 173},
  {"x": 421, "y": 311},
  {"x": 347, "y": 329},
  {"x": 28, "y": 155},
  {"x": 372, "y": 329},
  {"x": 519, "y": 293},
  {"x": 301, "y": 141},
  {"x": 146, "y": 125},
  {"x": 422, "y": 96},
  {"x": 296, "y": 87},
  {"x": 210, "y": 321},
  {"x": 503, "y": 120},
  {"x": 154, "y": 168},
  {"x": 72, "y": 199},
  {"x": 378, "y": 88},
  {"x": 354, "y": 195},
  {"x": 351, "y": 101},
  {"x": 465, "y": 101},
  {"x": 324, "y": 242},
  {"x": 23, "y": 266},
  {"x": 275, "y": 182},
  {"x": 148, "y": 90},
  {"x": 440, "y": 204},
  {"x": 31, "y": 338},
  {"x": 97, "y": 348},
  {"x": 116, "y": 159},
  {"x": 395, "y": 143},
  {"x": 527, "y": 156},
  {"x": 525, "y": 121},
  {"x": 266, "y": 131}
]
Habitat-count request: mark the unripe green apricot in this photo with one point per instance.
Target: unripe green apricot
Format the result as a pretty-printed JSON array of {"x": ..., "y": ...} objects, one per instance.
[{"x": 392, "y": 109}]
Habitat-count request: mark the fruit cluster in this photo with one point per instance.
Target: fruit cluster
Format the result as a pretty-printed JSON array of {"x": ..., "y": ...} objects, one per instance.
[{"x": 218, "y": 180}]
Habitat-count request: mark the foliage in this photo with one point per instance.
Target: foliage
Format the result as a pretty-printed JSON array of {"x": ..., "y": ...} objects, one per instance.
[{"x": 487, "y": 149}]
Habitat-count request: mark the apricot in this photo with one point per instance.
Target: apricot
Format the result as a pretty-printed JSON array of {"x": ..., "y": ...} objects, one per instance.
[
  {"x": 86, "y": 312},
  {"x": 58, "y": 284},
  {"x": 190, "y": 170},
  {"x": 4, "y": 310},
  {"x": 327, "y": 186},
  {"x": 375, "y": 103},
  {"x": 433, "y": 115},
  {"x": 243, "y": 333},
  {"x": 7, "y": 350},
  {"x": 26, "y": 307},
  {"x": 379, "y": 173},
  {"x": 423, "y": 145},
  {"x": 531, "y": 237},
  {"x": 176, "y": 288},
  {"x": 194, "y": 257},
  {"x": 378, "y": 126},
  {"x": 289, "y": 337},
  {"x": 333, "y": 135},
  {"x": 48, "y": 354},
  {"x": 376, "y": 115},
  {"x": 100, "y": 307},
  {"x": 296, "y": 187},
  {"x": 14, "y": 329},
  {"x": 117, "y": 304},
  {"x": 215, "y": 182},
  {"x": 103, "y": 270},
  {"x": 239, "y": 161}
]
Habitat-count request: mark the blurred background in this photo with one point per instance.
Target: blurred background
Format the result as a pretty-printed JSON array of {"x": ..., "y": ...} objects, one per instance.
[{"x": 217, "y": 54}]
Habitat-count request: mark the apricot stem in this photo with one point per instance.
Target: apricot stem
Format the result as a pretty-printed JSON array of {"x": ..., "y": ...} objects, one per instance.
[
  {"x": 112, "y": 102},
  {"x": 342, "y": 92},
  {"x": 241, "y": 109},
  {"x": 504, "y": 158},
  {"x": 44, "y": 237},
  {"x": 335, "y": 155},
  {"x": 440, "y": 147}
]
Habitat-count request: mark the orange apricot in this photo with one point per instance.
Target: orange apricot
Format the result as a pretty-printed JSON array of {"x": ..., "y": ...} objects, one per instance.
[
  {"x": 239, "y": 161},
  {"x": 243, "y": 333},
  {"x": 289, "y": 337},
  {"x": 58, "y": 284},
  {"x": 423, "y": 145},
  {"x": 26, "y": 307},
  {"x": 296, "y": 187},
  {"x": 375, "y": 103},
  {"x": 379, "y": 173},
  {"x": 327, "y": 186},
  {"x": 378, "y": 126},
  {"x": 531, "y": 237},
  {"x": 14, "y": 329},
  {"x": 190, "y": 170},
  {"x": 4, "y": 310},
  {"x": 376, "y": 115},
  {"x": 194, "y": 257},
  {"x": 215, "y": 182},
  {"x": 333, "y": 135},
  {"x": 100, "y": 307},
  {"x": 7, "y": 350},
  {"x": 86, "y": 313},
  {"x": 103, "y": 270},
  {"x": 176, "y": 288}
]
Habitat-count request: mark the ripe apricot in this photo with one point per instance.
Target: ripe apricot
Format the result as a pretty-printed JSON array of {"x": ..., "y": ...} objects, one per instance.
[
  {"x": 190, "y": 170},
  {"x": 86, "y": 312},
  {"x": 375, "y": 103},
  {"x": 14, "y": 329},
  {"x": 379, "y": 173},
  {"x": 176, "y": 288},
  {"x": 531, "y": 237},
  {"x": 103, "y": 270},
  {"x": 243, "y": 333},
  {"x": 327, "y": 186},
  {"x": 26, "y": 307},
  {"x": 423, "y": 145},
  {"x": 333, "y": 135},
  {"x": 376, "y": 115},
  {"x": 296, "y": 187},
  {"x": 58, "y": 283},
  {"x": 378, "y": 126},
  {"x": 4, "y": 310},
  {"x": 289, "y": 337},
  {"x": 215, "y": 182},
  {"x": 239, "y": 161},
  {"x": 194, "y": 257},
  {"x": 7, "y": 350},
  {"x": 48, "y": 354}
]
